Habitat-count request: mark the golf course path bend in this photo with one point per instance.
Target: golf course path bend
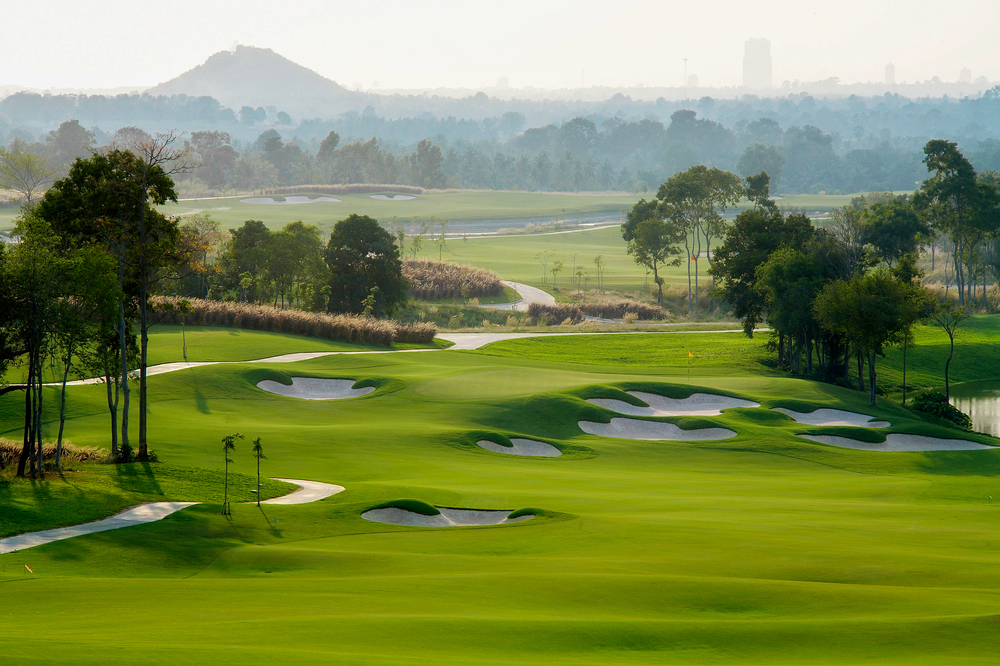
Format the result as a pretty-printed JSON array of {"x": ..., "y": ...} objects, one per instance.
[
  {"x": 308, "y": 491},
  {"x": 528, "y": 296},
  {"x": 137, "y": 515}
]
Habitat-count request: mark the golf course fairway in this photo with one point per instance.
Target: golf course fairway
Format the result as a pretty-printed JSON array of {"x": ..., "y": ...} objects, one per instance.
[{"x": 764, "y": 548}]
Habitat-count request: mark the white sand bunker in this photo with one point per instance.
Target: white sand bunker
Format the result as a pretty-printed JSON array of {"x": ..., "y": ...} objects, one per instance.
[
  {"x": 697, "y": 404},
  {"x": 394, "y": 197},
  {"x": 288, "y": 201},
  {"x": 833, "y": 417},
  {"x": 447, "y": 518},
  {"x": 144, "y": 513},
  {"x": 312, "y": 388},
  {"x": 522, "y": 447},
  {"x": 899, "y": 442},
  {"x": 653, "y": 430}
]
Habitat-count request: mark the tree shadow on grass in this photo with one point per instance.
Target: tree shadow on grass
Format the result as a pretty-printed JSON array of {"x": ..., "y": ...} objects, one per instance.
[{"x": 137, "y": 477}]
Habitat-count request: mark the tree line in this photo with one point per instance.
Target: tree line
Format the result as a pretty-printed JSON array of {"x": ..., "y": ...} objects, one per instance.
[
  {"x": 847, "y": 290},
  {"x": 79, "y": 287}
]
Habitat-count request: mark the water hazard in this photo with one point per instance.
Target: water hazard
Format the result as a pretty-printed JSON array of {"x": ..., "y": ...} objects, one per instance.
[{"x": 981, "y": 401}]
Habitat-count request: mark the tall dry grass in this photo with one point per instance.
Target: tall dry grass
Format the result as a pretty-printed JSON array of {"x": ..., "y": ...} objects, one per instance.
[
  {"x": 434, "y": 280},
  {"x": 618, "y": 308},
  {"x": 347, "y": 328},
  {"x": 10, "y": 451},
  {"x": 550, "y": 315}
]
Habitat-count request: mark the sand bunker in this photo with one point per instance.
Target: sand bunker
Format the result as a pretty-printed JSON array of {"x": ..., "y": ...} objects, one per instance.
[
  {"x": 899, "y": 442},
  {"x": 522, "y": 447},
  {"x": 312, "y": 388},
  {"x": 395, "y": 197},
  {"x": 653, "y": 430},
  {"x": 144, "y": 513},
  {"x": 697, "y": 404},
  {"x": 308, "y": 491},
  {"x": 447, "y": 517},
  {"x": 289, "y": 201},
  {"x": 833, "y": 417}
]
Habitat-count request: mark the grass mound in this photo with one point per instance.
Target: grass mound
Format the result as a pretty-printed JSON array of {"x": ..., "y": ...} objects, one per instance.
[{"x": 413, "y": 505}]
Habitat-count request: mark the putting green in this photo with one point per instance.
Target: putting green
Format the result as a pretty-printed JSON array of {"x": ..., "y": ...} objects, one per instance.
[{"x": 761, "y": 549}]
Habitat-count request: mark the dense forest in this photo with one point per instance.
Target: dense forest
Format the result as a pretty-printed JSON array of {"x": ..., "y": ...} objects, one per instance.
[{"x": 807, "y": 145}]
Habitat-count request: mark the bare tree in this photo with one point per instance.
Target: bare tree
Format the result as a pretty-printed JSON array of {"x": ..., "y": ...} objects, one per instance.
[{"x": 22, "y": 171}]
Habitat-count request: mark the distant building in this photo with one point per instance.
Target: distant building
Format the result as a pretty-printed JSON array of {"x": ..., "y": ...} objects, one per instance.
[
  {"x": 890, "y": 74},
  {"x": 965, "y": 76},
  {"x": 693, "y": 81},
  {"x": 757, "y": 63},
  {"x": 503, "y": 83}
]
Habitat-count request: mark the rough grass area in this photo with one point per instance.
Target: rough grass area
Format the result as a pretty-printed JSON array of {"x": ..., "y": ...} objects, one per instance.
[
  {"x": 618, "y": 308},
  {"x": 10, "y": 452},
  {"x": 435, "y": 280}
]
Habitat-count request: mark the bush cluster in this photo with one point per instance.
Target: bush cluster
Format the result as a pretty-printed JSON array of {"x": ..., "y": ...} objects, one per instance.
[
  {"x": 617, "y": 309},
  {"x": 433, "y": 280},
  {"x": 936, "y": 404},
  {"x": 347, "y": 328},
  {"x": 550, "y": 315}
]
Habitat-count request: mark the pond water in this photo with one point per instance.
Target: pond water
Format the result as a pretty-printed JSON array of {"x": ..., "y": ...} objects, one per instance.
[{"x": 981, "y": 401}]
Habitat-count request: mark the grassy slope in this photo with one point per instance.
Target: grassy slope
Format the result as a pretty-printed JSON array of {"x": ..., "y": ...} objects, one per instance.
[
  {"x": 763, "y": 549},
  {"x": 977, "y": 354}
]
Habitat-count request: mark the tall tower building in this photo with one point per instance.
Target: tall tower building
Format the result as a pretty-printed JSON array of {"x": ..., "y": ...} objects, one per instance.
[
  {"x": 965, "y": 76},
  {"x": 890, "y": 74},
  {"x": 757, "y": 64}
]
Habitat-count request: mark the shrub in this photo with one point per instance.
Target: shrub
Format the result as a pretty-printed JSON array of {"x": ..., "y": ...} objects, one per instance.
[
  {"x": 544, "y": 314},
  {"x": 630, "y": 318},
  {"x": 434, "y": 280},
  {"x": 937, "y": 405},
  {"x": 619, "y": 308},
  {"x": 348, "y": 328}
]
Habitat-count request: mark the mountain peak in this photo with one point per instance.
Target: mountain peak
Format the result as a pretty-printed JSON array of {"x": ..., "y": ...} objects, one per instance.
[{"x": 252, "y": 76}]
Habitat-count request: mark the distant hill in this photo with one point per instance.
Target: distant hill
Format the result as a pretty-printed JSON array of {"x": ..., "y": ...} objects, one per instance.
[{"x": 250, "y": 76}]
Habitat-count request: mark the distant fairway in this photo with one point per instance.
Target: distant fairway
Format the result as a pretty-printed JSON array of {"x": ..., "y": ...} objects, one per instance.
[{"x": 467, "y": 206}]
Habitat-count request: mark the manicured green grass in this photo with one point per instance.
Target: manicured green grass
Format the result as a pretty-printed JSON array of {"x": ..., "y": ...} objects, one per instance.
[
  {"x": 761, "y": 549},
  {"x": 483, "y": 205}
]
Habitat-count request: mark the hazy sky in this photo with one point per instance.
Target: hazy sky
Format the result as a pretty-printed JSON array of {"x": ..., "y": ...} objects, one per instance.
[{"x": 544, "y": 43}]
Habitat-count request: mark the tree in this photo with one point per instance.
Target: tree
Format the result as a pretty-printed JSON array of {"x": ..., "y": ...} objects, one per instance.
[
  {"x": 328, "y": 149},
  {"x": 258, "y": 453},
  {"x": 23, "y": 171},
  {"x": 110, "y": 200},
  {"x": 70, "y": 141},
  {"x": 748, "y": 243},
  {"x": 694, "y": 200},
  {"x": 543, "y": 258},
  {"x": 759, "y": 158},
  {"x": 949, "y": 316},
  {"x": 362, "y": 255},
  {"x": 557, "y": 267},
  {"x": 653, "y": 243},
  {"x": 426, "y": 165},
  {"x": 894, "y": 229},
  {"x": 600, "y": 263},
  {"x": 228, "y": 445},
  {"x": 959, "y": 204},
  {"x": 873, "y": 310}
]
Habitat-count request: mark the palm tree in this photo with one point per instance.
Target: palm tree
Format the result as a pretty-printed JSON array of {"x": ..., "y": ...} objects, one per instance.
[
  {"x": 228, "y": 444},
  {"x": 258, "y": 453}
]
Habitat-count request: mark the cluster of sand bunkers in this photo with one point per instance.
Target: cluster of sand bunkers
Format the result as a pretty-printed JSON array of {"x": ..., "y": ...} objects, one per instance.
[
  {"x": 299, "y": 199},
  {"x": 655, "y": 406}
]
